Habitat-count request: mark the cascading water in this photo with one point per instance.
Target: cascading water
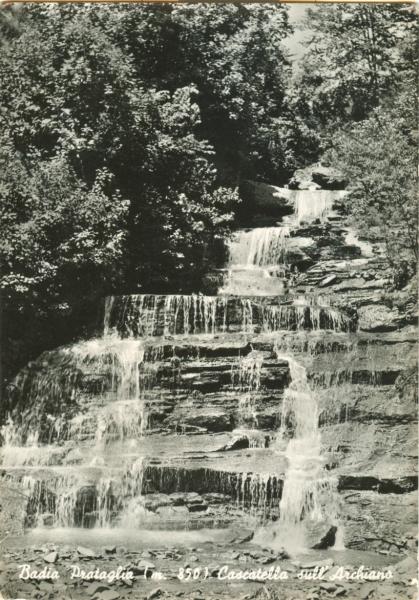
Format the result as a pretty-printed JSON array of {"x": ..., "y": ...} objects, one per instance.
[
  {"x": 246, "y": 377},
  {"x": 122, "y": 417},
  {"x": 312, "y": 205},
  {"x": 86, "y": 467},
  {"x": 260, "y": 247},
  {"x": 309, "y": 494},
  {"x": 148, "y": 315},
  {"x": 259, "y": 258}
]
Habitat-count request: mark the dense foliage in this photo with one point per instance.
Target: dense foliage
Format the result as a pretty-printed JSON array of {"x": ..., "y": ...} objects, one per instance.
[
  {"x": 126, "y": 130},
  {"x": 360, "y": 73},
  {"x": 352, "y": 58}
]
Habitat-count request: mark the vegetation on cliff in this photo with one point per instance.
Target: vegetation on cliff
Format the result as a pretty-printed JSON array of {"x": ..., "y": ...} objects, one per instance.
[{"x": 360, "y": 73}]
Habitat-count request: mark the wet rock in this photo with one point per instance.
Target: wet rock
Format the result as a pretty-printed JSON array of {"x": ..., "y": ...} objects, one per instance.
[
  {"x": 143, "y": 566},
  {"x": 197, "y": 507},
  {"x": 261, "y": 203},
  {"x": 180, "y": 510},
  {"x": 401, "y": 485},
  {"x": 327, "y": 540},
  {"x": 378, "y": 318},
  {"x": 155, "y": 594},
  {"x": 246, "y": 539},
  {"x": 329, "y": 280},
  {"x": 328, "y": 178},
  {"x": 182, "y": 498},
  {"x": 298, "y": 258},
  {"x": 328, "y": 587},
  {"x": 86, "y": 552},
  {"x": 51, "y": 557},
  {"x": 216, "y": 498},
  {"x": 266, "y": 560},
  {"x": 308, "y": 185},
  {"x": 47, "y": 519},
  {"x": 238, "y": 443},
  {"x": 212, "y": 421},
  {"x": 154, "y": 501},
  {"x": 317, "y": 177}
]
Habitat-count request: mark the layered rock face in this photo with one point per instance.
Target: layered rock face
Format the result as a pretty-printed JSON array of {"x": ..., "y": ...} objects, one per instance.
[{"x": 286, "y": 401}]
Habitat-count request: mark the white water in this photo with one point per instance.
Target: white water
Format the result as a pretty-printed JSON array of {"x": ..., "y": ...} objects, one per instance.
[
  {"x": 122, "y": 417},
  {"x": 147, "y": 315},
  {"x": 246, "y": 376},
  {"x": 260, "y": 247},
  {"x": 309, "y": 494}
]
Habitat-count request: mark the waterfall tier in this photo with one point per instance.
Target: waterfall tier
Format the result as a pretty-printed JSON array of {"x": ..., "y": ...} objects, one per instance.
[{"x": 150, "y": 315}]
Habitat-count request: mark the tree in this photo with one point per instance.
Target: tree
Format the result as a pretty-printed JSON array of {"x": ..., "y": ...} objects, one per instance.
[
  {"x": 62, "y": 245},
  {"x": 107, "y": 185},
  {"x": 233, "y": 55},
  {"x": 352, "y": 58},
  {"x": 377, "y": 155}
]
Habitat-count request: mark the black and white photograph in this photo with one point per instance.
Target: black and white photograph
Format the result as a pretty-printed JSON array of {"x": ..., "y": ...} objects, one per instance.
[{"x": 208, "y": 301}]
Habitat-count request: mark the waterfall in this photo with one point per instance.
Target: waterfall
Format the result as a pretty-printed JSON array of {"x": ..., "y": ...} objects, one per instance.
[
  {"x": 246, "y": 377},
  {"x": 111, "y": 406},
  {"x": 261, "y": 259},
  {"x": 145, "y": 315},
  {"x": 314, "y": 204},
  {"x": 309, "y": 494},
  {"x": 260, "y": 247},
  {"x": 247, "y": 373}
]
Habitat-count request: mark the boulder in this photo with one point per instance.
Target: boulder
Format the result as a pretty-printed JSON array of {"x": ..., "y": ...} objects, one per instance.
[
  {"x": 182, "y": 498},
  {"x": 142, "y": 567},
  {"x": 377, "y": 318},
  {"x": 298, "y": 258},
  {"x": 317, "y": 176},
  {"x": 238, "y": 443},
  {"x": 212, "y": 420},
  {"x": 51, "y": 557},
  {"x": 86, "y": 552},
  {"x": 263, "y": 201},
  {"x": 155, "y": 594},
  {"x": 327, "y": 540},
  {"x": 328, "y": 178},
  {"x": 154, "y": 501}
]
